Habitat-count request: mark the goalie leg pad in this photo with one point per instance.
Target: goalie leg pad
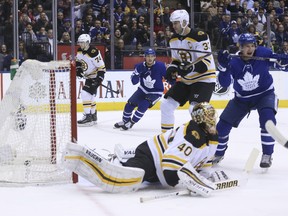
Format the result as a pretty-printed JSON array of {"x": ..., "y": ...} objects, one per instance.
[
  {"x": 124, "y": 154},
  {"x": 104, "y": 174},
  {"x": 194, "y": 182}
]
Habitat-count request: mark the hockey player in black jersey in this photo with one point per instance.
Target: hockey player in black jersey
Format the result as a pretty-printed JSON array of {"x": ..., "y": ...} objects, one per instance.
[
  {"x": 89, "y": 65},
  {"x": 194, "y": 72}
]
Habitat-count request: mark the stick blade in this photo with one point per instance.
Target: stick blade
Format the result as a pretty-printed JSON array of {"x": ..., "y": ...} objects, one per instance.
[{"x": 251, "y": 160}]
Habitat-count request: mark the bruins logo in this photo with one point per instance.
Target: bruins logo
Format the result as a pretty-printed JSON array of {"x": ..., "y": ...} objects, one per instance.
[
  {"x": 84, "y": 65},
  {"x": 201, "y": 33},
  {"x": 195, "y": 134}
]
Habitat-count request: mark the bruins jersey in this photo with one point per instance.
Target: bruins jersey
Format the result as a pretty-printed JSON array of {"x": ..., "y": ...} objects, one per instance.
[
  {"x": 91, "y": 61},
  {"x": 204, "y": 70},
  {"x": 188, "y": 143}
]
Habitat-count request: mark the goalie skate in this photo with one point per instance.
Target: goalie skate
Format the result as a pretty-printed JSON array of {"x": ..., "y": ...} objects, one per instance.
[{"x": 99, "y": 171}]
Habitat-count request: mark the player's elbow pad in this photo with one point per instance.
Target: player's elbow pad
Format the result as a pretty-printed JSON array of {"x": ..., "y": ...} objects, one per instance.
[{"x": 135, "y": 79}]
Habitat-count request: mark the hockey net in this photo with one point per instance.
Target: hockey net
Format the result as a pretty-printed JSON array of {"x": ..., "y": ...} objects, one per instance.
[{"x": 36, "y": 124}]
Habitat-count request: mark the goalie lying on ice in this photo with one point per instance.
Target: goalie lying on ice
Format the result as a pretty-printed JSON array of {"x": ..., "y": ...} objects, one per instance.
[{"x": 177, "y": 157}]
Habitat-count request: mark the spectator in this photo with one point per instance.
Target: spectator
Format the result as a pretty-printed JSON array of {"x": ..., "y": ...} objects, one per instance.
[
  {"x": 233, "y": 34},
  {"x": 97, "y": 29},
  {"x": 258, "y": 26},
  {"x": 98, "y": 6},
  {"x": 284, "y": 47},
  {"x": 120, "y": 3},
  {"x": 38, "y": 12},
  {"x": 119, "y": 52},
  {"x": 87, "y": 23},
  {"x": 29, "y": 36},
  {"x": 118, "y": 15},
  {"x": 50, "y": 40},
  {"x": 65, "y": 38},
  {"x": 23, "y": 55},
  {"x": 103, "y": 15},
  {"x": 79, "y": 29},
  {"x": 158, "y": 25},
  {"x": 143, "y": 9},
  {"x": 281, "y": 35},
  {"x": 261, "y": 16},
  {"x": 7, "y": 57}
]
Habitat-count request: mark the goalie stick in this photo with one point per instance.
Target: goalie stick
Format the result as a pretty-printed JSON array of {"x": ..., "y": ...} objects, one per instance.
[
  {"x": 275, "y": 133},
  {"x": 222, "y": 185}
]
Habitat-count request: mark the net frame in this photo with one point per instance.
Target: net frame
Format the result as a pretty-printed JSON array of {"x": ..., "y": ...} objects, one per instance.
[{"x": 15, "y": 169}]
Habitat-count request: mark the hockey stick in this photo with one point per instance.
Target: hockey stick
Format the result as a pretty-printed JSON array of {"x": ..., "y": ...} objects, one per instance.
[
  {"x": 215, "y": 53},
  {"x": 223, "y": 185},
  {"x": 110, "y": 89},
  {"x": 275, "y": 133}
]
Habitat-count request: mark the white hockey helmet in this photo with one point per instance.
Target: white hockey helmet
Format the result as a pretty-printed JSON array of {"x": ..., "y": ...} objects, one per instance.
[
  {"x": 84, "y": 41},
  {"x": 84, "y": 38},
  {"x": 205, "y": 115},
  {"x": 180, "y": 15}
]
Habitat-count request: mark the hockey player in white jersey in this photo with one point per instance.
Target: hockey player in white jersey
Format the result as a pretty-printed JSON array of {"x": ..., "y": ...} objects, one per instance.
[
  {"x": 174, "y": 158},
  {"x": 193, "y": 71},
  {"x": 89, "y": 65}
]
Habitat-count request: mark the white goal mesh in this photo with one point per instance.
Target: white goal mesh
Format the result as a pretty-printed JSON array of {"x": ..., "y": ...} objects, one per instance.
[{"x": 35, "y": 124}]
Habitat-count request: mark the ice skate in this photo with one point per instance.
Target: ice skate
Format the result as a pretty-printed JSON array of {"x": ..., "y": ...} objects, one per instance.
[
  {"x": 128, "y": 125},
  {"x": 86, "y": 121},
  {"x": 266, "y": 161},
  {"x": 217, "y": 159},
  {"x": 94, "y": 117},
  {"x": 119, "y": 124}
]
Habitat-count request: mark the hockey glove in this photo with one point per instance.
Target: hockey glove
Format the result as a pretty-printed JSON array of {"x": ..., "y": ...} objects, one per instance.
[
  {"x": 79, "y": 70},
  {"x": 172, "y": 72},
  {"x": 223, "y": 60},
  {"x": 193, "y": 181}
]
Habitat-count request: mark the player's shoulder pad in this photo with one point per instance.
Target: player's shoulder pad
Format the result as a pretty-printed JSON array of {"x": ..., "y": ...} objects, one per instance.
[
  {"x": 195, "y": 135},
  {"x": 92, "y": 52},
  {"x": 198, "y": 35}
]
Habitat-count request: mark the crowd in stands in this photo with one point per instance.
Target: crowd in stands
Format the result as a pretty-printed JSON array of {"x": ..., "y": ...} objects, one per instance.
[{"x": 223, "y": 20}]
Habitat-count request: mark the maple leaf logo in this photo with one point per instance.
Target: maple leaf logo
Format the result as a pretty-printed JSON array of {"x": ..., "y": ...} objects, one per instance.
[
  {"x": 249, "y": 82},
  {"x": 148, "y": 82}
]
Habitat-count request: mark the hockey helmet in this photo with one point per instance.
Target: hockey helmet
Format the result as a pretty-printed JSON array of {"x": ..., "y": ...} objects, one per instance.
[
  {"x": 84, "y": 38},
  {"x": 150, "y": 52},
  {"x": 246, "y": 38},
  {"x": 180, "y": 15},
  {"x": 205, "y": 115}
]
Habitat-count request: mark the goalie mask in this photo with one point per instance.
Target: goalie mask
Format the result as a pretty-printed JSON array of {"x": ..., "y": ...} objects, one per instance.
[
  {"x": 84, "y": 41},
  {"x": 205, "y": 115}
]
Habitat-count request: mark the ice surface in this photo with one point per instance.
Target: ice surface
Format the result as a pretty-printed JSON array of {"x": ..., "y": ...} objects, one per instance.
[{"x": 264, "y": 194}]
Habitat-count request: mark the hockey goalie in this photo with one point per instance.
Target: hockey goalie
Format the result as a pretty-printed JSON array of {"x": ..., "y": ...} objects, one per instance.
[{"x": 178, "y": 157}]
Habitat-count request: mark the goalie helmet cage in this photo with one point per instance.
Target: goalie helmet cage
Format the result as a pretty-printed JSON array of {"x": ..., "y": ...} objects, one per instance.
[{"x": 38, "y": 118}]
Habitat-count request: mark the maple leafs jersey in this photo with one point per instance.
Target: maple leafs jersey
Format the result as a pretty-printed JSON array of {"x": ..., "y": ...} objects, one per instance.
[
  {"x": 251, "y": 78},
  {"x": 204, "y": 70},
  {"x": 172, "y": 149},
  {"x": 91, "y": 61},
  {"x": 150, "y": 77}
]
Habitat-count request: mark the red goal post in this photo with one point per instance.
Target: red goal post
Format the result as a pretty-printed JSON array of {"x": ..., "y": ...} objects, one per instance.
[{"x": 38, "y": 118}]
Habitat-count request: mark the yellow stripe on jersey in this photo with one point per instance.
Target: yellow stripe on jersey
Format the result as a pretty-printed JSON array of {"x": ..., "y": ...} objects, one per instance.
[
  {"x": 104, "y": 177},
  {"x": 173, "y": 162},
  {"x": 190, "y": 39},
  {"x": 211, "y": 142}
]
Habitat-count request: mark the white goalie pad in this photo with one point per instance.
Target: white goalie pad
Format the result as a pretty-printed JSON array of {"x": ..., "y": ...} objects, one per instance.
[
  {"x": 104, "y": 174},
  {"x": 123, "y": 154}
]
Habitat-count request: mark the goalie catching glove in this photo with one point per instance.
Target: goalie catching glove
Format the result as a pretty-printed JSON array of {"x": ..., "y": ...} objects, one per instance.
[{"x": 194, "y": 182}]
